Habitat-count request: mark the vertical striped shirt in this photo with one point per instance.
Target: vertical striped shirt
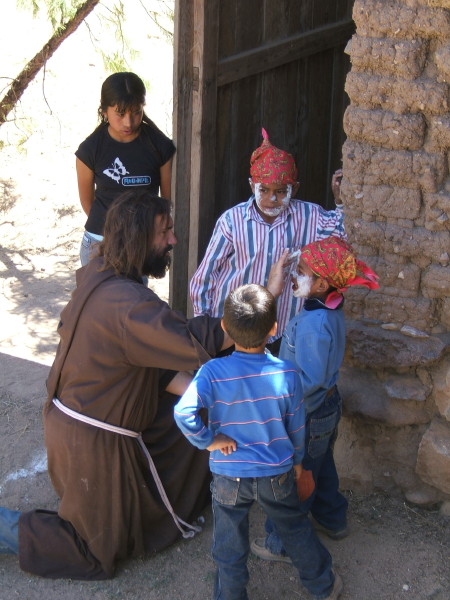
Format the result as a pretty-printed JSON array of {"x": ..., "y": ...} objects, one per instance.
[{"x": 243, "y": 248}]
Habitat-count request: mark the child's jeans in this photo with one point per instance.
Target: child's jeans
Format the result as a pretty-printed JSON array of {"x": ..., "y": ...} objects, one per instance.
[
  {"x": 277, "y": 495},
  {"x": 326, "y": 504},
  {"x": 9, "y": 531}
]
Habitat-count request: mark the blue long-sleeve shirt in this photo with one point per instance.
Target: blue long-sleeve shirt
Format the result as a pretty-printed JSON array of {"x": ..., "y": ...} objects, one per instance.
[
  {"x": 255, "y": 399},
  {"x": 314, "y": 341}
]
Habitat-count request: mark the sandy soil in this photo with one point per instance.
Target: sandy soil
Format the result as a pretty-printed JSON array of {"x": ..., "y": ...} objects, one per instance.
[{"x": 394, "y": 551}]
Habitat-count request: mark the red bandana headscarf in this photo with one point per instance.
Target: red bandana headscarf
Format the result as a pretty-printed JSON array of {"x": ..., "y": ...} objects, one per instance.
[
  {"x": 269, "y": 164},
  {"x": 333, "y": 259}
]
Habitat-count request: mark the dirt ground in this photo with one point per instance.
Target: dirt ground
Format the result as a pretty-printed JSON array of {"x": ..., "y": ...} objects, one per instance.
[{"x": 395, "y": 551}]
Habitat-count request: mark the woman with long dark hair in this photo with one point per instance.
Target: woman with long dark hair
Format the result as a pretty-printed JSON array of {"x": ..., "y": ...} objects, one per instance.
[{"x": 126, "y": 150}]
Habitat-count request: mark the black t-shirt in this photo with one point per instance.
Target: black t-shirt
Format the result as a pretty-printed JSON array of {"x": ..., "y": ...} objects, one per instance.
[{"x": 118, "y": 166}]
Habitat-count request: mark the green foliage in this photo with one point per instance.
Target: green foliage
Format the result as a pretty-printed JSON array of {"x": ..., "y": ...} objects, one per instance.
[
  {"x": 114, "y": 62},
  {"x": 59, "y": 12},
  {"x": 166, "y": 11},
  {"x": 29, "y": 4},
  {"x": 117, "y": 60}
]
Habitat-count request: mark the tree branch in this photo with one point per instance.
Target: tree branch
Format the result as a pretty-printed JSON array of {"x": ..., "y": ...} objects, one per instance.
[{"x": 32, "y": 68}]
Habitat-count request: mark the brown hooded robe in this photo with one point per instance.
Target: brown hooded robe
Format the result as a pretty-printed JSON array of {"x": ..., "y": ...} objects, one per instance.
[{"x": 117, "y": 341}]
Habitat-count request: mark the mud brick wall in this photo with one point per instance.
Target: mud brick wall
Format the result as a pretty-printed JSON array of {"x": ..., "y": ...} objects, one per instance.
[{"x": 395, "y": 434}]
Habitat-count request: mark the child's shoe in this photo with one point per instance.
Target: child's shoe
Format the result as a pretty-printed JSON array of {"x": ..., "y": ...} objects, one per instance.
[
  {"x": 258, "y": 547},
  {"x": 334, "y": 534},
  {"x": 338, "y": 586}
]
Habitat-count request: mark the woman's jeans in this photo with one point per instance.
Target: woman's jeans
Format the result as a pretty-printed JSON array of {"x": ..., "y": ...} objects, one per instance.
[
  {"x": 326, "y": 504},
  {"x": 9, "y": 531},
  {"x": 88, "y": 244},
  {"x": 232, "y": 500}
]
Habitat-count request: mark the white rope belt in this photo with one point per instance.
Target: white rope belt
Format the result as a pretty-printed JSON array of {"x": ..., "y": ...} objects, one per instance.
[{"x": 192, "y": 529}]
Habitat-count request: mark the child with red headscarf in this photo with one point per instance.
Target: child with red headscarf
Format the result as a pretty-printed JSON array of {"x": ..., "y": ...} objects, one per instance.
[
  {"x": 315, "y": 341},
  {"x": 251, "y": 236}
]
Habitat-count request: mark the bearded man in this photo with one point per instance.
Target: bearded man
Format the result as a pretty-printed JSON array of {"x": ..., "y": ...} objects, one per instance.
[{"x": 128, "y": 480}]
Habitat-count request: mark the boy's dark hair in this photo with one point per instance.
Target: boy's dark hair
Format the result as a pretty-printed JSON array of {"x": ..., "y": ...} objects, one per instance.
[
  {"x": 129, "y": 231},
  {"x": 250, "y": 312}
]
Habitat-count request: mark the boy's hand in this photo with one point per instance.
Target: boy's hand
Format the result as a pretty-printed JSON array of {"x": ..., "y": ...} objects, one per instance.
[
  {"x": 305, "y": 483},
  {"x": 278, "y": 275},
  {"x": 223, "y": 443},
  {"x": 297, "y": 471}
]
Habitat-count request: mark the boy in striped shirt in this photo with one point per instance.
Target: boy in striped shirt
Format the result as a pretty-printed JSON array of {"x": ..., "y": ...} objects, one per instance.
[
  {"x": 249, "y": 237},
  {"x": 255, "y": 436}
]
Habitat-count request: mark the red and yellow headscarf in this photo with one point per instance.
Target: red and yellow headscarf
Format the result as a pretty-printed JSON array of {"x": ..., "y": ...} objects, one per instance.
[
  {"x": 269, "y": 164},
  {"x": 333, "y": 259}
]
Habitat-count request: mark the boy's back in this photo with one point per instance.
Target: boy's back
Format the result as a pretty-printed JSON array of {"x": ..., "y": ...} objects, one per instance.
[
  {"x": 255, "y": 435},
  {"x": 256, "y": 399}
]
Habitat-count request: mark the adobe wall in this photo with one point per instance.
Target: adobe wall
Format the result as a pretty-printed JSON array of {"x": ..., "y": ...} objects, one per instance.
[{"x": 395, "y": 434}]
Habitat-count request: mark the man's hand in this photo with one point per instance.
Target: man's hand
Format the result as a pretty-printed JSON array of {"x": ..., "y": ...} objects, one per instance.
[
  {"x": 336, "y": 186},
  {"x": 223, "y": 443},
  {"x": 179, "y": 383},
  {"x": 278, "y": 275}
]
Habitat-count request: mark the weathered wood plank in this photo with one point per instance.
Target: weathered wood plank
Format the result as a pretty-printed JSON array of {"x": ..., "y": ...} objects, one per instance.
[
  {"x": 275, "y": 54},
  {"x": 204, "y": 128},
  {"x": 182, "y": 126}
]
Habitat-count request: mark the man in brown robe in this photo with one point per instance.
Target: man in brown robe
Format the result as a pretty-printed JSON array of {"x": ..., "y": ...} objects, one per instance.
[{"x": 120, "y": 348}]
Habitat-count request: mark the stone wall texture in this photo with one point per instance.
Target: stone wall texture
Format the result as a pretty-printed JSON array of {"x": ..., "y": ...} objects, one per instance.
[{"x": 395, "y": 433}]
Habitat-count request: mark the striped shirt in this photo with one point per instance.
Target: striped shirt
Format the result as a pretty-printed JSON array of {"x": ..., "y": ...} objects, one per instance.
[
  {"x": 243, "y": 247},
  {"x": 255, "y": 399}
]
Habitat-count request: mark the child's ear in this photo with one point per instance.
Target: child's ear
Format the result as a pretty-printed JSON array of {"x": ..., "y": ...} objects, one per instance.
[
  {"x": 273, "y": 331},
  {"x": 223, "y": 326},
  {"x": 252, "y": 185}
]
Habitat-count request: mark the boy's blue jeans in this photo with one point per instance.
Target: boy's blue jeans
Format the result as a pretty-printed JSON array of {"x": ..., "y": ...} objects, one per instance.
[
  {"x": 277, "y": 495},
  {"x": 326, "y": 504},
  {"x": 9, "y": 531}
]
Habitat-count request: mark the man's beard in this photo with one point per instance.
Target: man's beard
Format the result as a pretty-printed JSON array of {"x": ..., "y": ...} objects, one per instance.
[{"x": 157, "y": 264}]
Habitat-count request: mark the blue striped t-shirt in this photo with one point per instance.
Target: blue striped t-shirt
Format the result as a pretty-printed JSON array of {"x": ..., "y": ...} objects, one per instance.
[{"x": 255, "y": 399}]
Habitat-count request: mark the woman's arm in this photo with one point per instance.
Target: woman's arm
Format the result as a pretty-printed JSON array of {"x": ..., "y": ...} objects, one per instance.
[
  {"x": 85, "y": 177},
  {"x": 165, "y": 173}
]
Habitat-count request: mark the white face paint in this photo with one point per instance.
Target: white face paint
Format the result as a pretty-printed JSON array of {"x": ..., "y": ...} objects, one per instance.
[
  {"x": 304, "y": 283},
  {"x": 275, "y": 211}
]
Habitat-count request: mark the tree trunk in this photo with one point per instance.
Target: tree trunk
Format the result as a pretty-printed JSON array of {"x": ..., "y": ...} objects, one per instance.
[{"x": 31, "y": 69}]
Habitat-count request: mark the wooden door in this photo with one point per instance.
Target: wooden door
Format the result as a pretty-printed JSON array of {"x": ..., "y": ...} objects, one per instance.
[{"x": 241, "y": 65}]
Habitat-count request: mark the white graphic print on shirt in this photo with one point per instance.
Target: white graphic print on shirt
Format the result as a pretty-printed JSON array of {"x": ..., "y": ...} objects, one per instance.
[{"x": 117, "y": 170}]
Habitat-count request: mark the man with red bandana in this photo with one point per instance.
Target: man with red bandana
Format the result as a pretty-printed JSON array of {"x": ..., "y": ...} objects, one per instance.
[
  {"x": 251, "y": 236},
  {"x": 314, "y": 341}
]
